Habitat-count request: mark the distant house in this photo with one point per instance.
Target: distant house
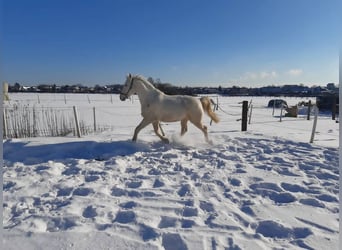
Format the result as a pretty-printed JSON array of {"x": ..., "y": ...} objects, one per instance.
[
  {"x": 331, "y": 86},
  {"x": 45, "y": 88},
  {"x": 316, "y": 90},
  {"x": 327, "y": 100},
  {"x": 277, "y": 103}
]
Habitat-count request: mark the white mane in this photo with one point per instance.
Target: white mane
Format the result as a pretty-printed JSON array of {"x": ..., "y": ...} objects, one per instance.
[{"x": 144, "y": 80}]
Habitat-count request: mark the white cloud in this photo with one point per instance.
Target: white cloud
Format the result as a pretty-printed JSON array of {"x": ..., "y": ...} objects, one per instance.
[
  {"x": 267, "y": 75},
  {"x": 295, "y": 72},
  {"x": 263, "y": 75}
]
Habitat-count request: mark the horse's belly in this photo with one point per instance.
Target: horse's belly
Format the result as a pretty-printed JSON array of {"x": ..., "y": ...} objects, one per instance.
[
  {"x": 163, "y": 114},
  {"x": 172, "y": 117}
]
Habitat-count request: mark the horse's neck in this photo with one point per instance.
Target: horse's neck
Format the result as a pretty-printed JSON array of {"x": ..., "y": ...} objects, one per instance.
[
  {"x": 144, "y": 89},
  {"x": 147, "y": 84}
]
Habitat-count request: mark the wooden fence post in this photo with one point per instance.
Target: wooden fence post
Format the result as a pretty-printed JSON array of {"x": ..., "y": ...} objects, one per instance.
[
  {"x": 4, "y": 118},
  {"x": 5, "y": 92},
  {"x": 34, "y": 118},
  {"x": 281, "y": 112},
  {"x": 333, "y": 108},
  {"x": 94, "y": 114},
  {"x": 250, "y": 114},
  {"x": 273, "y": 107},
  {"x": 309, "y": 111},
  {"x": 78, "y": 131},
  {"x": 314, "y": 125},
  {"x": 244, "y": 116}
]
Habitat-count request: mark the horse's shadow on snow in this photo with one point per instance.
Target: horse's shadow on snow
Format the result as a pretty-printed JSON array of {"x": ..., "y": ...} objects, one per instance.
[{"x": 90, "y": 150}]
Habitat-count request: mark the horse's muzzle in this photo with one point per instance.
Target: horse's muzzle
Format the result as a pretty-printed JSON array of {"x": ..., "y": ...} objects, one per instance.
[{"x": 123, "y": 97}]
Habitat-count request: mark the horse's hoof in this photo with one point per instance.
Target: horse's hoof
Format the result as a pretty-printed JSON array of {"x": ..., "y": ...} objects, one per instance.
[{"x": 166, "y": 141}]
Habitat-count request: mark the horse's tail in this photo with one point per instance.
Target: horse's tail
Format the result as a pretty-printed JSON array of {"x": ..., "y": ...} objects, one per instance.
[{"x": 206, "y": 104}]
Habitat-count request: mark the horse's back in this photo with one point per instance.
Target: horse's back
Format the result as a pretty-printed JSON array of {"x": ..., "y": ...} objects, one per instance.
[
  {"x": 180, "y": 102},
  {"x": 176, "y": 108}
]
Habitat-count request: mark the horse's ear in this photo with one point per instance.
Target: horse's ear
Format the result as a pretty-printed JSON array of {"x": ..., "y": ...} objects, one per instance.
[{"x": 129, "y": 75}]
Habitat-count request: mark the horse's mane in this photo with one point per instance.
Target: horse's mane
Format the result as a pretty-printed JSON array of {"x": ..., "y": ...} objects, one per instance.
[{"x": 145, "y": 81}]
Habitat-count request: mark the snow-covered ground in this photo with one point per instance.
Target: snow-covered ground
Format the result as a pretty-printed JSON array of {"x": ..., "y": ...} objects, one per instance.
[{"x": 267, "y": 188}]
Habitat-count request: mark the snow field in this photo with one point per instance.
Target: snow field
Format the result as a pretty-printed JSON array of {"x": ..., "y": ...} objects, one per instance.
[{"x": 266, "y": 188}]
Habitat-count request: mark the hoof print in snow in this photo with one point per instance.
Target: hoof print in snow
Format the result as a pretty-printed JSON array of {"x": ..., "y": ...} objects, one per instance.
[
  {"x": 89, "y": 212},
  {"x": 64, "y": 191},
  {"x": 189, "y": 212},
  {"x": 134, "y": 184},
  {"x": 147, "y": 233},
  {"x": 187, "y": 223},
  {"x": 167, "y": 222},
  {"x": 157, "y": 183},
  {"x": 235, "y": 182},
  {"x": 154, "y": 171},
  {"x": 133, "y": 170},
  {"x": 60, "y": 224},
  {"x": 265, "y": 186},
  {"x": 282, "y": 197},
  {"x": 128, "y": 205},
  {"x": 91, "y": 178},
  {"x": 171, "y": 241},
  {"x": 312, "y": 202},
  {"x": 125, "y": 217},
  {"x": 273, "y": 191},
  {"x": 248, "y": 210},
  {"x": 8, "y": 185},
  {"x": 134, "y": 193},
  {"x": 184, "y": 190},
  {"x": 294, "y": 188},
  {"x": 71, "y": 171},
  {"x": 118, "y": 191},
  {"x": 273, "y": 229},
  {"x": 206, "y": 206},
  {"x": 327, "y": 198},
  {"x": 83, "y": 191}
]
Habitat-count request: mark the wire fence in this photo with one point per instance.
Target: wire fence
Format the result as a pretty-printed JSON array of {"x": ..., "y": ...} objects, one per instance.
[
  {"x": 54, "y": 115},
  {"x": 26, "y": 121}
]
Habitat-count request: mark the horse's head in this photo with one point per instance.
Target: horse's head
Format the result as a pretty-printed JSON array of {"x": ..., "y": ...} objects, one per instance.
[{"x": 127, "y": 89}]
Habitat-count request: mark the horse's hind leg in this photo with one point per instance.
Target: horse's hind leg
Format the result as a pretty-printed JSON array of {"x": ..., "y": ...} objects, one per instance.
[
  {"x": 156, "y": 126},
  {"x": 204, "y": 129},
  {"x": 184, "y": 126},
  {"x": 141, "y": 125},
  {"x": 161, "y": 129}
]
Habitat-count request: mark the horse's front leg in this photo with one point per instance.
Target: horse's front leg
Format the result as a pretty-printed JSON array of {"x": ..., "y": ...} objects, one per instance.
[
  {"x": 156, "y": 126},
  {"x": 184, "y": 126},
  {"x": 141, "y": 125}
]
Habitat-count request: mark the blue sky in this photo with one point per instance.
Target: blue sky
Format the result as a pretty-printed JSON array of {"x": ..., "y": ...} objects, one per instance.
[{"x": 183, "y": 42}]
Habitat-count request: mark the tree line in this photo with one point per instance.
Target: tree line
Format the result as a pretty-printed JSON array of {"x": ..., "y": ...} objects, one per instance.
[{"x": 168, "y": 88}]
